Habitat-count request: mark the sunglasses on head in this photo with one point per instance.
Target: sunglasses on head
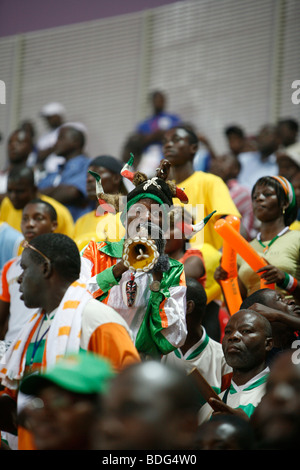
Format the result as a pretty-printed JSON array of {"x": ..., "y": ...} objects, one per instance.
[{"x": 25, "y": 244}]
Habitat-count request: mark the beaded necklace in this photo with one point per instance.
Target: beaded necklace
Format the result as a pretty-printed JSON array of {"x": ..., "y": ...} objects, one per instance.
[{"x": 266, "y": 247}]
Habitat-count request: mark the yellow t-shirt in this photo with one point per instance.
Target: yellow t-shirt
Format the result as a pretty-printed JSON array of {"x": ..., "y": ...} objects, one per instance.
[
  {"x": 206, "y": 193},
  {"x": 284, "y": 253},
  {"x": 295, "y": 225},
  {"x": 98, "y": 228},
  {"x": 13, "y": 217}
]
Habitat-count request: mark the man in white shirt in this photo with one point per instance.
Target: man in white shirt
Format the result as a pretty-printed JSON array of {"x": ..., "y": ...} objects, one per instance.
[
  {"x": 38, "y": 217},
  {"x": 54, "y": 116},
  {"x": 199, "y": 350},
  {"x": 246, "y": 342}
]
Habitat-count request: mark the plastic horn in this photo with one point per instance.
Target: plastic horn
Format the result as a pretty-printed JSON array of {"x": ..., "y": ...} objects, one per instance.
[
  {"x": 140, "y": 254},
  {"x": 99, "y": 192},
  {"x": 242, "y": 247},
  {"x": 230, "y": 287}
]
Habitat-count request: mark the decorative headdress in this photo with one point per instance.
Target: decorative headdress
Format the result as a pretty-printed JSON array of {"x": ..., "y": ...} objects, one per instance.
[
  {"x": 288, "y": 189},
  {"x": 158, "y": 188},
  {"x": 183, "y": 220}
]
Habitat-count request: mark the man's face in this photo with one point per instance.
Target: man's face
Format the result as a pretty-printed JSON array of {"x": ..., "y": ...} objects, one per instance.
[
  {"x": 143, "y": 211},
  {"x": 31, "y": 287},
  {"x": 61, "y": 420},
  {"x": 276, "y": 300},
  {"x": 236, "y": 143},
  {"x": 287, "y": 135},
  {"x": 65, "y": 142},
  {"x": 20, "y": 192},
  {"x": 109, "y": 180},
  {"x": 36, "y": 220},
  {"x": 267, "y": 140},
  {"x": 176, "y": 147},
  {"x": 19, "y": 147},
  {"x": 158, "y": 103},
  {"x": 244, "y": 343},
  {"x": 286, "y": 166},
  {"x": 54, "y": 121}
]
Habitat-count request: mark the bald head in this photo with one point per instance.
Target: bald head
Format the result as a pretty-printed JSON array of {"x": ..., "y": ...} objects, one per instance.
[{"x": 247, "y": 340}]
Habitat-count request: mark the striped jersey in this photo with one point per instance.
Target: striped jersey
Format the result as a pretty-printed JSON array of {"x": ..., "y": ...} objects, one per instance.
[
  {"x": 246, "y": 396},
  {"x": 156, "y": 319},
  {"x": 207, "y": 355}
]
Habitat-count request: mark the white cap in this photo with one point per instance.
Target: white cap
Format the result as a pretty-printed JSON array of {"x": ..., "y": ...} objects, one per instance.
[
  {"x": 76, "y": 125},
  {"x": 292, "y": 151},
  {"x": 51, "y": 109}
]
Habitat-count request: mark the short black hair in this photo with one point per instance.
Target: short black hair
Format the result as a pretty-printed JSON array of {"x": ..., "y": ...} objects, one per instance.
[
  {"x": 257, "y": 297},
  {"x": 291, "y": 123},
  {"x": 76, "y": 134},
  {"x": 62, "y": 252},
  {"x": 235, "y": 130},
  {"x": 107, "y": 161},
  {"x": 196, "y": 292},
  {"x": 192, "y": 136},
  {"x": 22, "y": 171},
  {"x": 50, "y": 209}
]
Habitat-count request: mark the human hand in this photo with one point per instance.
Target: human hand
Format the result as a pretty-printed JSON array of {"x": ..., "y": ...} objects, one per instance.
[
  {"x": 271, "y": 274},
  {"x": 270, "y": 314},
  {"x": 119, "y": 268},
  {"x": 220, "y": 407},
  {"x": 220, "y": 274}
]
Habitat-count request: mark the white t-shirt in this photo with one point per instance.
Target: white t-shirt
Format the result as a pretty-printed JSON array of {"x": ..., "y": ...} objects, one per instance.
[{"x": 9, "y": 292}]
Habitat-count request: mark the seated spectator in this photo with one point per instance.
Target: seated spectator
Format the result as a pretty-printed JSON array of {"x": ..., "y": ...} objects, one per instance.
[
  {"x": 246, "y": 343},
  {"x": 67, "y": 319},
  {"x": 151, "y": 298},
  {"x": 68, "y": 184},
  {"x": 283, "y": 314},
  {"x": 199, "y": 350},
  {"x": 53, "y": 115},
  {"x": 237, "y": 140},
  {"x": 98, "y": 224},
  {"x": 38, "y": 217},
  {"x": 63, "y": 401},
  {"x": 28, "y": 127},
  {"x": 276, "y": 420},
  {"x": 206, "y": 192},
  {"x": 148, "y": 406},
  {"x": 288, "y": 160},
  {"x": 152, "y": 130},
  {"x": 21, "y": 189},
  {"x": 274, "y": 205},
  {"x": 19, "y": 147},
  {"x": 288, "y": 129}
]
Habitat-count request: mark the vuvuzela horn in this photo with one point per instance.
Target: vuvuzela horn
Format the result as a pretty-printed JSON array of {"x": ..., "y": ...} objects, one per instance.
[{"x": 140, "y": 253}]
